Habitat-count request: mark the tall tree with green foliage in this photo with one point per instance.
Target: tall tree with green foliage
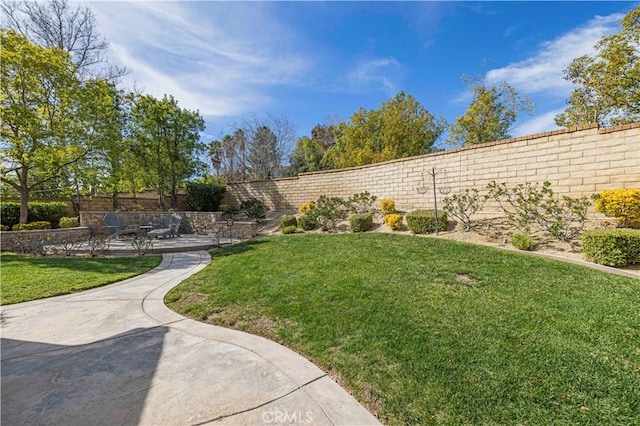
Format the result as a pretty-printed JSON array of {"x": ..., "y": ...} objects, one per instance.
[
  {"x": 166, "y": 143},
  {"x": 41, "y": 114},
  {"x": 402, "y": 127},
  {"x": 309, "y": 153},
  {"x": 490, "y": 115},
  {"x": 608, "y": 83}
]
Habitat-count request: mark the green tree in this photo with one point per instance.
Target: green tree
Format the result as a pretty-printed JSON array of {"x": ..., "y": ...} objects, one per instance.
[
  {"x": 490, "y": 115},
  {"x": 402, "y": 127},
  {"x": 41, "y": 104},
  {"x": 608, "y": 83},
  {"x": 306, "y": 156},
  {"x": 166, "y": 143}
]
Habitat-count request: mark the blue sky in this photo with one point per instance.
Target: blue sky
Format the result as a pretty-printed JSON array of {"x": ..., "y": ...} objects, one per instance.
[{"x": 314, "y": 61}]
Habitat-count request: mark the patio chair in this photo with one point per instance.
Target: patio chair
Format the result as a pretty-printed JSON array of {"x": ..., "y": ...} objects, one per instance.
[
  {"x": 116, "y": 226},
  {"x": 169, "y": 229}
]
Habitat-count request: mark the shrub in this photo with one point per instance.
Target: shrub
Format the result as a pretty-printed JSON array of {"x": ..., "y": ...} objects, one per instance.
[
  {"x": 4, "y": 228},
  {"x": 361, "y": 203},
  {"x": 42, "y": 224},
  {"x": 393, "y": 221},
  {"x": 387, "y": 206},
  {"x": 307, "y": 207},
  {"x": 361, "y": 222},
  {"x": 523, "y": 241},
  {"x": 462, "y": 206},
  {"x": 288, "y": 220},
  {"x": 69, "y": 222},
  {"x": 327, "y": 212},
  {"x": 254, "y": 209},
  {"x": 612, "y": 247},
  {"x": 423, "y": 221},
  {"x": 307, "y": 222},
  {"x": 289, "y": 229},
  {"x": 47, "y": 212},
  {"x": 623, "y": 204},
  {"x": 204, "y": 197},
  {"x": 9, "y": 213},
  {"x": 528, "y": 204}
]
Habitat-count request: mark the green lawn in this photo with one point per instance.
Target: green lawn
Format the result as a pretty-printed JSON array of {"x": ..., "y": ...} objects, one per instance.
[
  {"x": 24, "y": 278},
  {"x": 433, "y": 331}
]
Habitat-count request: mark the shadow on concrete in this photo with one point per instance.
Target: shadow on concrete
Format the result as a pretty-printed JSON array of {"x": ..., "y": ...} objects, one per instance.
[{"x": 104, "y": 382}]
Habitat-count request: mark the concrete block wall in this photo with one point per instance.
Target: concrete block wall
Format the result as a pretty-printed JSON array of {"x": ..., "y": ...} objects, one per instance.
[{"x": 578, "y": 161}]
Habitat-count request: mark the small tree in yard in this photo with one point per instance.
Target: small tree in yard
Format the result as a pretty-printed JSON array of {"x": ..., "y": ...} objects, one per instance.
[
  {"x": 529, "y": 204},
  {"x": 463, "y": 205}
]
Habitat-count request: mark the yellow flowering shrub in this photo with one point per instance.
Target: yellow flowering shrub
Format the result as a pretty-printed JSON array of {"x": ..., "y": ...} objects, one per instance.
[
  {"x": 307, "y": 207},
  {"x": 393, "y": 221},
  {"x": 623, "y": 204},
  {"x": 387, "y": 206}
]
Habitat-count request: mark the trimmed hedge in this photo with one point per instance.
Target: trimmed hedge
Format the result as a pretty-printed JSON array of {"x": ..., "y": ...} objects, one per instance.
[
  {"x": 47, "y": 212},
  {"x": 41, "y": 224},
  {"x": 69, "y": 222},
  {"x": 204, "y": 197},
  {"x": 422, "y": 221},
  {"x": 612, "y": 247},
  {"x": 38, "y": 211},
  {"x": 289, "y": 230},
  {"x": 361, "y": 222},
  {"x": 287, "y": 221},
  {"x": 307, "y": 222},
  {"x": 9, "y": 214},
  {"x": 393, "y": 221}
]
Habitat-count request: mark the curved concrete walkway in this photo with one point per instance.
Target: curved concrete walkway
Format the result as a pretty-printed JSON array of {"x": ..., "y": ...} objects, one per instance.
[{"x": 117, "y": 355}]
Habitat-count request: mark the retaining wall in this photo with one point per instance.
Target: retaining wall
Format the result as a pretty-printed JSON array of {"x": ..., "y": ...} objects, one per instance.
[{"x": 578, "y": 161}]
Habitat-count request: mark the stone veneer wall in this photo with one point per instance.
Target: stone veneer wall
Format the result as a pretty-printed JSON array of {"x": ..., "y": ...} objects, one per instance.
[
  {"x": 578, "y": 161},
  {"x": 192, "y": 222},
  {"x": 8, "y": 238}
]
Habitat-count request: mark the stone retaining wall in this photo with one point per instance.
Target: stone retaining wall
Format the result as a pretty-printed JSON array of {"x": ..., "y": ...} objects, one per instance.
[
  {"x": 578, "y": 161},
  {"x": 8, "y": 239}
]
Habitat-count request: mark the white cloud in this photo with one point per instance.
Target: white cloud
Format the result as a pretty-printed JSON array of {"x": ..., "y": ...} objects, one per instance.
[
  {"x": 538, "y": 124},
  {"x": 219, "y": 58},
  {"x": 543, "y": 72},
  {"x": 373, "y": 74}
]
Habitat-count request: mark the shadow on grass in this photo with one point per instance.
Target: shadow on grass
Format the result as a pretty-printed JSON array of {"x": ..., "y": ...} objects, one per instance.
[
  {"x": 106, "y": 265},
  {"x": 238, "y": 248}
]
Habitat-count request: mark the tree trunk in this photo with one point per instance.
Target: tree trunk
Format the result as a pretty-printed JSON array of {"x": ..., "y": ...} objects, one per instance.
[{"x": 24, "y": 198}]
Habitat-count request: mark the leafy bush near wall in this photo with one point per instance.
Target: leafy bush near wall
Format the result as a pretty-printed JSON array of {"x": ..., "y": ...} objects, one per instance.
[
  {"x": 307, "y": 222},
  {"x": 623, "y": 204},
  {"x": 288, "y": 220},
  {"x": 47, "y": 212},
  {"x": 254, "y": 208},
  {"x": 612, "y": 247},
  {"x": 307, "y": 207},
  {"x": 361, "y": 222},
  {"x": 327, "y": 212},
  {"x": 9, "y": 214},
  {"x": 289, "y": 230},
  {"x": 387, "y": 206},
  {"x": 523, "y": 241},
  {"x": 204, "y": 197},
  {"x": 528, "y": 204},
  {"x": 4, "y": 228},
  {"x": 462, "y": 206},
  {"x": 393, "y": 221},
  {"x": 41, "y": 224},
  {"x": 423, "y": 221},
  {"x": 361, "y": 203},
  {"x": 69, "y": 222}
]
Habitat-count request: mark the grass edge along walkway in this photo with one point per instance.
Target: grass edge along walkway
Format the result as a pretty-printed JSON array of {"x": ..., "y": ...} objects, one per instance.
[
  {"x": 26, "y": 278},
  {"x": 434, "y": 331}
]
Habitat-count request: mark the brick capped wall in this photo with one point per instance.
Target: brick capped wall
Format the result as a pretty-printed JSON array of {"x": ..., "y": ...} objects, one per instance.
[{"x": 578, "y": 161}]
